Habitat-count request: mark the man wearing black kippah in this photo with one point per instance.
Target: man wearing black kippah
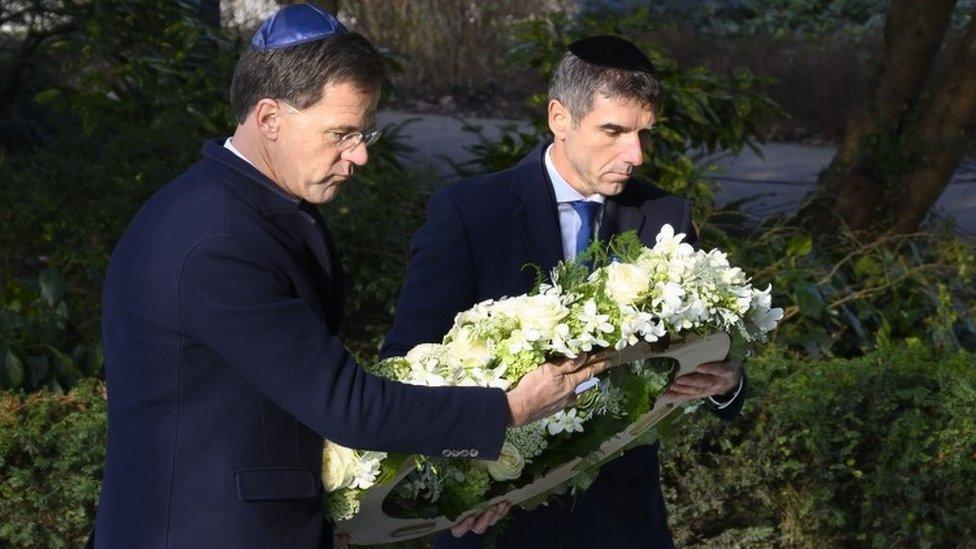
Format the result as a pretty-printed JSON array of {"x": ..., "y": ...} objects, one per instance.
[
  {"x": 220, "y": 319},
  {"x": 575, "y": 187}
]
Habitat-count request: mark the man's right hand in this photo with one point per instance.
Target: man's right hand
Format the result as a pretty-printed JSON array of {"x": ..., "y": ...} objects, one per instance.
[{"x": 550, "y": 388}]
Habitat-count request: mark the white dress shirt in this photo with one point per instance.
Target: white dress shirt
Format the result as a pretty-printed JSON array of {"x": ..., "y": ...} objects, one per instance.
[
  {"x": 230, "y": 147},
  {"x": 569, "y": 220}
]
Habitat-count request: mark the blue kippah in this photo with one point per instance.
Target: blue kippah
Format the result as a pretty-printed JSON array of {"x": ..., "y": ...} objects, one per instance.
[{"x": 296, "y": 24}]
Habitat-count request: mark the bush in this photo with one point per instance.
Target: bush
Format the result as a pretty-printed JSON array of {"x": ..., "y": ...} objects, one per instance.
[
  {"x": 875, "y": 451},
  {"x": 847, "y": 296},
  {"x": 131, "y": 117},
  {"x": 52, "y": 450}
]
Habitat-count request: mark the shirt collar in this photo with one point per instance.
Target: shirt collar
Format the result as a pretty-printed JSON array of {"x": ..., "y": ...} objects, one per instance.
[
  {"x": 562, "y": 189},
  {"x": 229, "y": 145}
]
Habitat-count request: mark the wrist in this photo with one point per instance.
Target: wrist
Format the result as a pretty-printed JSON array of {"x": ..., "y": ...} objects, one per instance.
[{"x": 515, "y": 410}]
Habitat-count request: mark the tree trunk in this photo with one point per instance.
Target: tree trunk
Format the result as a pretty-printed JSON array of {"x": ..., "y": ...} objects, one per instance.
[
  {"x": 945, "y": 127},
  {"x": 855, "y": 187}
]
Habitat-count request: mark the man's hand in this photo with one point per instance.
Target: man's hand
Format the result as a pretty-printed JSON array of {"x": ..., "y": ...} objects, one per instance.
[
  {"x": 709, "y": 379},
  {"x": 478, "y": 523},
  {"x": 631, "y": 353},
  {"x": 549, "y": 388}
]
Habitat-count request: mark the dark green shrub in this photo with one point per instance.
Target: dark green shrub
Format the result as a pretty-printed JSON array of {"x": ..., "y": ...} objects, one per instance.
[
  {"x": 847, "y": 296},
  {"x": 131, "y": 116},
  {"x": 52, "y": 450},
  {"x": 875, "y": 451}
]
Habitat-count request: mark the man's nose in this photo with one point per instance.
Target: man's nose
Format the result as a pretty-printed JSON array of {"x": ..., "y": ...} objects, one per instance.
[
  {"x": 358, "y": 155},
  {"x": 633, "y": 150}
]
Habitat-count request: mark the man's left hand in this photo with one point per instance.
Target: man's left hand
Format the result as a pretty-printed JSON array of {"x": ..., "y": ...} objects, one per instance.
[{"x": 709, "y": 379}]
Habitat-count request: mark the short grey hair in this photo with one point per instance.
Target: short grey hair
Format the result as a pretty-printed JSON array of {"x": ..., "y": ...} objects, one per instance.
[{"x": 575, "y": 84}]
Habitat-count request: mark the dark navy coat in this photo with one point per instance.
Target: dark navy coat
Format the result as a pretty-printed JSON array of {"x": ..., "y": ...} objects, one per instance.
[
  {"x": 479, "y": 234},
  {"x": 220, "y": 316}
]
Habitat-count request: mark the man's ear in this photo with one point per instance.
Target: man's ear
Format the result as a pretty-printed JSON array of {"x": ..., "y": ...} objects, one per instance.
[
  {"x": 267, "y": 115},
  {"x": 560, "y": 119}
]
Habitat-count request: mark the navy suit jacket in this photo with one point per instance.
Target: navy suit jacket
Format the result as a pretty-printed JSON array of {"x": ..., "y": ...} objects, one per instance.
[
  {"x": 220, "y": 316},
  {"x": 478, "y": 236}
]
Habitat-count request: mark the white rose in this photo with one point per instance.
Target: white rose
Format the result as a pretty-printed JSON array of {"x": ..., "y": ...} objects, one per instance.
[
  {"x": 339, "y": 466},
  {"x": 509, "y": 464},
  {"x": 538, "y": 315},
  {"x": 626, "y": 283},
  {"x": 425, "y": 352},
  {"x": 467, "y": 348}
]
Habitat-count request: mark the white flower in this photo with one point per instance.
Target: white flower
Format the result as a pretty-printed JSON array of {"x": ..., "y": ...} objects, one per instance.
[
  {"x": 427, "y": 365},
  {"x": 479, "y": 312},
  {"x": 425, "y": 352},
  {"x": 509, "y": 464},
  {"x": 564, "y": 421},
  {"x": 761, "y": 314},
  {"x": 592, "y": 320},
  {"x": 467, "y": 348},
  {"x": 671, "y": 244},
  {"x": 484, "y": 377},
  {"x": 518, "y": 342},
  {"x": 668, "y": 299},
  {"x": 538, "y": 315},
  {"x": 367, "y": 469},
  {"x": 626, "y": 282},
  {"x": 339, "y": 466},
  {"x": 560, "y": 342}
]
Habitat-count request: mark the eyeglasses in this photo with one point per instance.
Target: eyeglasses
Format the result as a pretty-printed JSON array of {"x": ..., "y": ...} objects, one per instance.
[{"x": 344, "y": 141}]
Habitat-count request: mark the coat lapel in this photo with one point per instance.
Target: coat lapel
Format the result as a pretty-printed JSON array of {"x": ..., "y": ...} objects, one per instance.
[
  {"x": 535, "y": 212},
  {"x": 300, "y": 222},
  {"x": 621, "y": 214}
]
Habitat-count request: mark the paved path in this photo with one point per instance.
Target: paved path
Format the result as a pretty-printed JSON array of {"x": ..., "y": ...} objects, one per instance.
[{"x": 775, "y": 182}]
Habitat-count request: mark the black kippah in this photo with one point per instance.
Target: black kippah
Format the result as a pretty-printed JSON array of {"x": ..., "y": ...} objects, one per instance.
[{"x": 612, "y": 52}]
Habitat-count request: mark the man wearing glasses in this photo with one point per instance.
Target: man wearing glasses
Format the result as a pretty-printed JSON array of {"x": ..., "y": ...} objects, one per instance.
[{"x": 220, "y": 317}]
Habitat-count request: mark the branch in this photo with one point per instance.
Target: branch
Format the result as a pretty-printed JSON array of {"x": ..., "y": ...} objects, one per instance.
[{"x": 872, "y": 245}]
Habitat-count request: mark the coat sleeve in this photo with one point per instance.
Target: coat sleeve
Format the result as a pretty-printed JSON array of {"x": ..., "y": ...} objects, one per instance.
[
  {"x": 440, "y": 280},
  {"x": 241, "y": 306}
]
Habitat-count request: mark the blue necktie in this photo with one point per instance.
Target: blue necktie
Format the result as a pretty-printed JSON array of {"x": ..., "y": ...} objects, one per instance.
[{"x": 587, "y": 212}]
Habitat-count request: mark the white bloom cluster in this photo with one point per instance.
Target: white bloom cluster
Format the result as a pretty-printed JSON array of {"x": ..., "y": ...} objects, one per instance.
[
  {"x": 693, "y": 289},
  {"x": 669, "y": 288},
  {"x": 347, "y": 468}
]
